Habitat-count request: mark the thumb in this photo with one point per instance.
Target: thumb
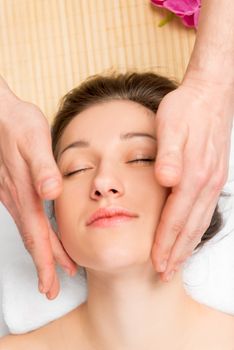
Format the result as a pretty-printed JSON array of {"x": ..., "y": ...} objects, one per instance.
[
  {"x": 169, "y": 160},
  {"x": 44, "y": 172}
]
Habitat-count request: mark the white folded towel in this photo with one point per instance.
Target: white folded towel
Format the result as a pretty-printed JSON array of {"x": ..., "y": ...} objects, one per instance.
[{"x": 24, "y": 308}]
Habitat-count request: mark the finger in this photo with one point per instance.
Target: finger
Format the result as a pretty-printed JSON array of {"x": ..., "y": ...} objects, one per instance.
[
  {"x": 37, "y": 242},
  {"x": 46, "y": 278},
  {"x": 60, "y": 255},
  {"x": 190, "y": 237},
  {"x": 169, "y": 161},
  {"x": 37, "y": 153},
  {"x": 173, "y": 218},
  {"x": 200, "y": 216},
  {"x": 29, "y": 216},
  {"x": 28, "y": 212},
  {"x": 199, "y": 219},
  {"x": 54, "y": 288},
  {"x": 181, "y": 201}
]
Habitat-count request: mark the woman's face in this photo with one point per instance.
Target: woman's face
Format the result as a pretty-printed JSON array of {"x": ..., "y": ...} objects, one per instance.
[{"x": 111, "y": 167}]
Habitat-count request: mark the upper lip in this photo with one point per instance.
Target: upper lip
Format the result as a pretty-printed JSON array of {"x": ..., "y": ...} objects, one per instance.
[{"x": 108, "y": 212}]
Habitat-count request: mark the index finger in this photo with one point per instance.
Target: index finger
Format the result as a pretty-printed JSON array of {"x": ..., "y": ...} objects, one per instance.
[
  {"x": 33, "y": 228},
  {"x": 173, "y": 218}
]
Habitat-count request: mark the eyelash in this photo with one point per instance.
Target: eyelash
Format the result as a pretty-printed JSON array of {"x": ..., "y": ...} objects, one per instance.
[
  {"x": 140, "y": 160},
  {"x": 75, "y": 172}
]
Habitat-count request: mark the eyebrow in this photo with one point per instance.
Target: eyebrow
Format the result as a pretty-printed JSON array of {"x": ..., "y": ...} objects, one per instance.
[{"x": 84, "y": 144}]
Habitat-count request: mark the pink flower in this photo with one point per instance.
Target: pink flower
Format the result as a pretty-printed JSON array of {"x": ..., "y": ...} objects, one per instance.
[{"x": 187, "y": 10}]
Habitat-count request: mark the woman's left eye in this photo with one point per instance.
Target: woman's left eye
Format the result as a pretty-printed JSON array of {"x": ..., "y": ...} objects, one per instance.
[
  {"x": 76, "y": 172},
  {"x": 142, "y": 160}
]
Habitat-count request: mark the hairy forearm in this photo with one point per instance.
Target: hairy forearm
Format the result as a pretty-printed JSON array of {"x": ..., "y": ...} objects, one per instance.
[{"x": 212, "y": 58}]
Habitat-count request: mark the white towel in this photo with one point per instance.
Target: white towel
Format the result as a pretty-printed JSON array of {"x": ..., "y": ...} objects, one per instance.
[{"x": 24, "y": 308}]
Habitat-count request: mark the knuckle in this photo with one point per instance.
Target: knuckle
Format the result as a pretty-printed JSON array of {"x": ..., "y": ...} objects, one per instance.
[
  {"x": 28, "y": 241},
  {"x": 31, "y": 109},
  {"x": 218, "y": 183},
  {"x": 9, "y": 189},
  {"x": 49, "y": 265},
  {"x": 178, "y": 226},
  {"x": 3, "y": 177},
  {"x": 193, "y": 236},
  {"x": 201, "y": 178}
]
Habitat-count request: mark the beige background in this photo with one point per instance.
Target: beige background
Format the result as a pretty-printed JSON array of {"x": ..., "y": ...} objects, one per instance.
[{"x": 49, "y": 46}]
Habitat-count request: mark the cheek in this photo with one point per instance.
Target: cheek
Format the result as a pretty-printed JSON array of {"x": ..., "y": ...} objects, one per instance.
[
  {"x": 69, "y": 207},
  {"x": 147, "y": 192}
]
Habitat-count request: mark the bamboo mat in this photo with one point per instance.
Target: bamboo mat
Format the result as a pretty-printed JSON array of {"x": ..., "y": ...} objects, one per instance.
[{"x": 49, "y": 46}]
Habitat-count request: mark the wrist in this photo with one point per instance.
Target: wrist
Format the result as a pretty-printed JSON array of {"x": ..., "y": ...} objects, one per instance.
[
  {"x": 211, "y": 71},
  {"x": 207, "y": 81},
  {"x": 217, "y": 94}
]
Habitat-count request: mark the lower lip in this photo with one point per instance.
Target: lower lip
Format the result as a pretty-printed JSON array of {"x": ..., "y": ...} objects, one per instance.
[{"x": 112, "y": 221}]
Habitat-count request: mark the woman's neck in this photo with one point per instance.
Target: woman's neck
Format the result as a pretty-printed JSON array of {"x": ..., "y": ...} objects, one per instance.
[{"x": 134, "y": 309}]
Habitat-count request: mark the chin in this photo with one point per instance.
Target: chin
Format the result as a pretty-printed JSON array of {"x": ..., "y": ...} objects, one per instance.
[
  {"x": 109, "y": 250},
  {"x": 113, "y": 259}
]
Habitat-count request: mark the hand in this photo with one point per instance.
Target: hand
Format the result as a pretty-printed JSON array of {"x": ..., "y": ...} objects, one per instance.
[
  {"x": 193, "y": 127},
  {"x": 26, "y": 164}
]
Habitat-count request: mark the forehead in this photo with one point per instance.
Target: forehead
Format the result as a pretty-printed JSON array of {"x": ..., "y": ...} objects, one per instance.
[{"x": 105, "y": 121}]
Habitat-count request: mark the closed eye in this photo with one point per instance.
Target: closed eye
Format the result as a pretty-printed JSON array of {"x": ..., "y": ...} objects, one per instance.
[
  {"x": 142, "y": 160},
  {"x": 76, "y": 172},
  {"x": 139, "y": 160}
]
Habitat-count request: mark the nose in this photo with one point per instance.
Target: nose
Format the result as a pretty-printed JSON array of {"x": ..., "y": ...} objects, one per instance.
[{"x": 106, "y": 185}]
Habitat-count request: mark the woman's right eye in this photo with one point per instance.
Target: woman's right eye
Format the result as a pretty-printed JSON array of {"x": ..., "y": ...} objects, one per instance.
[{"x": 76, "y": 172}]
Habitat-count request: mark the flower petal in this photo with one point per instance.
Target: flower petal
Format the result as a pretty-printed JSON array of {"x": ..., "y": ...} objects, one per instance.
[
  {"x": 196, "y": 18},
  {"x": 158, "y": 3},
  {"x": 182, "y": 7},
  {"x": 188, "y": 21}
]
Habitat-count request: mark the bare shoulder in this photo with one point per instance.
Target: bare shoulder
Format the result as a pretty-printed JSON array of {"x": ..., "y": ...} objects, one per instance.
[
  {"x": 225, "y": 327},
  {"x": 38, "y": 339},
  {"x": 54, "y": 335},
  {"x": 219, "y": 330},
  {"x": 22, "y": 342}
]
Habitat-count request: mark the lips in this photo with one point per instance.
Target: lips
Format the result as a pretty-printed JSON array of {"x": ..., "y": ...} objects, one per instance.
[{"x": 110, "y": 213}]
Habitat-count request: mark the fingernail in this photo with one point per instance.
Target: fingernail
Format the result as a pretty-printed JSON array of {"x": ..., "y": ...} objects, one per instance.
[
  {"x": 170, "y": 275},
  {"x": 41, "y": 288},
  {"x": 48, "y": 295},
  {"x": 49, "y": 185},
  {"x": 163, "y": 266}
]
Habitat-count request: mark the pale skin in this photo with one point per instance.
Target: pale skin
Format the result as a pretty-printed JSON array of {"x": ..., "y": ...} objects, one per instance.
[
  {"x": 197, "y": 116},
  {"x": 128, "y": 306}
]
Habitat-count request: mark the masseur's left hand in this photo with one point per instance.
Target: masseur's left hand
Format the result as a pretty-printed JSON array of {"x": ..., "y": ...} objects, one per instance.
[{"x": 193, "y": 127}]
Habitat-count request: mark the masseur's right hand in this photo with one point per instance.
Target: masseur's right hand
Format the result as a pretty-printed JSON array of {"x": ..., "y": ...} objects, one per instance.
[{"x": 29, "y": 175}]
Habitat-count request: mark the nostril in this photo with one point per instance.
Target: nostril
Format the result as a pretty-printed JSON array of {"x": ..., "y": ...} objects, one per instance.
[{"x": 98, "y": 193}]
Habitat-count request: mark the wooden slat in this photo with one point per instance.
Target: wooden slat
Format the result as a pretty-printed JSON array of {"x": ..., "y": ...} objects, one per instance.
[{"x": 49, "y": 46}]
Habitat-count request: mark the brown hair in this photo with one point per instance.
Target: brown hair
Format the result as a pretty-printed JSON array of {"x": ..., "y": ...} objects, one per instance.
[{"x": 147, "y": 89}]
